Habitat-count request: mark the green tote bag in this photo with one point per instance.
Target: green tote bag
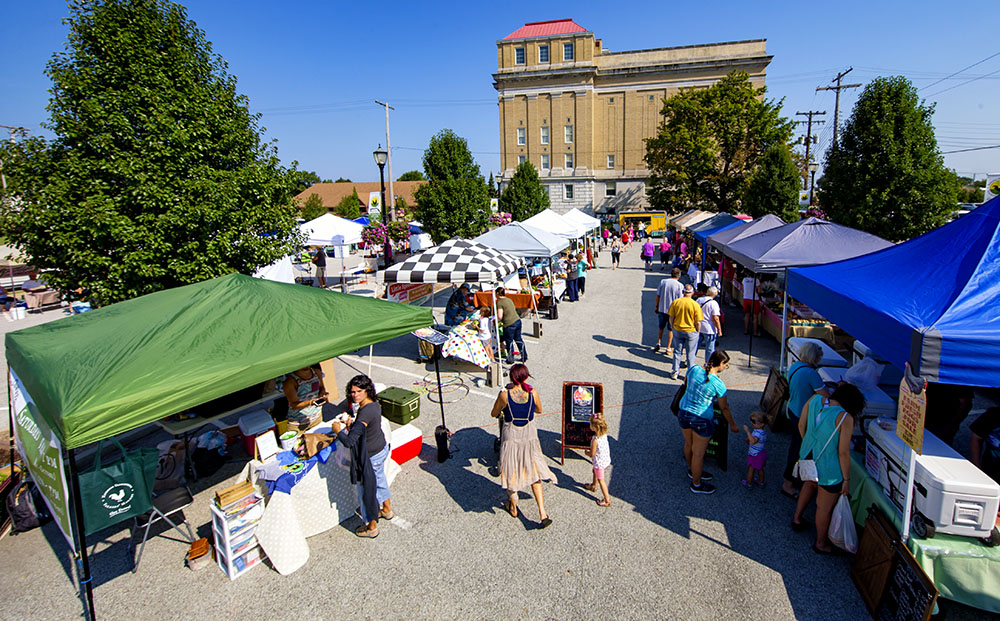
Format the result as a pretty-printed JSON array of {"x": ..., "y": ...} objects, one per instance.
[{"x": 120, "y": 490}]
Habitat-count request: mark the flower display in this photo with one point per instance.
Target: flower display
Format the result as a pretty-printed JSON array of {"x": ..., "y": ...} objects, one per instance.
[
  {"x": 374, "y": 235},
  {"x": 501, "y": 218}
]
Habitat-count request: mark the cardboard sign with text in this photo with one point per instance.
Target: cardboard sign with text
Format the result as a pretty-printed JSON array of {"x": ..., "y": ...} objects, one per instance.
[{"x": 912, "y": 409}]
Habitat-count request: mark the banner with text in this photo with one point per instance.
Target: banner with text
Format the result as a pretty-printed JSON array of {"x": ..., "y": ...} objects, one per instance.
[
  {"x": 408, "y": 293},
  {"x": 41, "y": 451},
  {"x": 912, "y": 410}
]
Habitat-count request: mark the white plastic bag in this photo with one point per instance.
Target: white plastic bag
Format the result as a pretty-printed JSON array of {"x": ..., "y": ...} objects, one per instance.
[
  {"x": 864, "y": 374},
  {"x": 843, "y": 533}
]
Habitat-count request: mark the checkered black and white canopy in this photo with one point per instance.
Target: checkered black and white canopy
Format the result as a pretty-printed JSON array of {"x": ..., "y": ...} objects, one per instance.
[{"x": 455, "y": 261}]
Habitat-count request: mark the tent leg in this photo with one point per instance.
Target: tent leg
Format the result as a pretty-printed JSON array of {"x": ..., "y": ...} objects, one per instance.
[
  {"x": 496, "y": 323},
  {"x": 784, "y": 324},
  {"x": 437, "y": 372},
  {"x": 10, "y": 428},
  {"x": 86, "y": 579},
  {"x": 752, "y": 324}
]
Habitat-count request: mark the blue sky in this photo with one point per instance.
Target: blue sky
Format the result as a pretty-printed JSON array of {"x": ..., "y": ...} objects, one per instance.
[{"x": 313, "y": 69}]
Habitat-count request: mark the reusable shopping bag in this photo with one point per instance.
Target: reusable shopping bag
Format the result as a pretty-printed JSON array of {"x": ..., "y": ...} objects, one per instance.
[{"x": 120, "y": 490}]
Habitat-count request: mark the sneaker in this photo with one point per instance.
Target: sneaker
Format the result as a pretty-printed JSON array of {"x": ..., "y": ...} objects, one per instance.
[
  {"x": 746, "y": 485},
  {"x": 657, "y": 348},
  {"x": 705, "y": 475},
  {"x": 670, "y": 351},
  {"x": 704, "y": 488},
  {"x": 672, "y": 375}
]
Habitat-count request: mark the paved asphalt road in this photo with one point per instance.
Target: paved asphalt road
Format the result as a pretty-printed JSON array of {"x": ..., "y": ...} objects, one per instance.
[{"x": 658, "y": 552}]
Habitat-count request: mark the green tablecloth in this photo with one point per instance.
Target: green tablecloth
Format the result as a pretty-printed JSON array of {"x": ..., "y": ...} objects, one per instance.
[{"x": 963, "y": 569}]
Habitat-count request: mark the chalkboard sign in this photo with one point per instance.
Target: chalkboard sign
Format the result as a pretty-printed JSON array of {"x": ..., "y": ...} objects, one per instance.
[
  {"x": 718, "y": 444},
  {"x": 909, "y": 594},
  {"x": 580, "y": 400}
]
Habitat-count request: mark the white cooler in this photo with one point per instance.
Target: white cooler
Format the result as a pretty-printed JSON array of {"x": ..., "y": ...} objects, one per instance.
[
  {"x": 830, "y": 358},
  {"x": 891, "y": 376},
  {"x": 950, "y": 493}
]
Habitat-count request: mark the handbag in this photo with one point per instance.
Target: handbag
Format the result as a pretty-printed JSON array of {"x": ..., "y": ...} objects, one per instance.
[
  {"x": 775, "y": 396},
  {"x": 675, "y": 404},
  {"x": 120, "y": 490},
  {"x": 805, "y": 469}
]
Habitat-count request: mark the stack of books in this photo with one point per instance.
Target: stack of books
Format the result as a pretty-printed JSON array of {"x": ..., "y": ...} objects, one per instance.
[{"x": 235, "y": 514}]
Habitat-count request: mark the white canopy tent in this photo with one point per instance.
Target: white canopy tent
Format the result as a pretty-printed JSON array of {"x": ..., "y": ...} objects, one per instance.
[
  {"x": 523, "y": 240},
  {"x": 331, "y": 230},
  {"x": 578, "y": 217},
  {"x": 551, "y": 222},
  {"x": 281, "y": 270}
]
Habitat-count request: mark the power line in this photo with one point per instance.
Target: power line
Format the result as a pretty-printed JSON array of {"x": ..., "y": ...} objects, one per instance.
[
  {"x": 945, "y": 90},
  {"x": 836, "y": 106},
  {"x": 996, "y": 146},
  {"x": 960, "y": 71}
]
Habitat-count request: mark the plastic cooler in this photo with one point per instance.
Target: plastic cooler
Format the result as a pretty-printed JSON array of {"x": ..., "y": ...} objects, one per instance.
[
  {"x": 399, "y": 405},
  {"x": 830, "y": 358},
  {"x": 406, "y": 443},
  {"x": 877, "y": 403},
  {"x": 253, "y": 424},
  {"x": 949, "y": 492}
]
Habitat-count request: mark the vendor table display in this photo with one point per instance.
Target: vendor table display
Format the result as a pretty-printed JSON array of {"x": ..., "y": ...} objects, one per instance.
[
  {"x": 963, "y": 569},
  {"x": 520, "y": 300},
  {"x": 830, "y": 358},
  {"x": 770, "y": 320},
  {"x": 464, "y": 343},
  {"x": 877, "y": 402},
  {"x": 38, "y": 299}
]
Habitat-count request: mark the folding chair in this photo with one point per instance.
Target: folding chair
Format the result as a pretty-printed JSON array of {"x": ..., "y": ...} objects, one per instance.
[{"x": 166, "y": 504}]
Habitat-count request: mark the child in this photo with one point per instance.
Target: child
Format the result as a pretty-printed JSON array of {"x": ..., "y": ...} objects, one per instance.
[
  {"x": 485, "y": 330},
  {"x": 756, "y": 455},
  {"x": 600, "y": 455}
]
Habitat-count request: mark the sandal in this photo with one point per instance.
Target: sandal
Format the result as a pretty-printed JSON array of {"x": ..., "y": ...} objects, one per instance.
[
  {"x": 603, "y": 503},
  {"x": 801, "y": 525},
  {"x": 363, "y": 531},
  {"x": 546, "y": 521},
  {"x": 511, "y": 508},
  {"x": 590, "y": 487},
  {"x": 387, "y": 516}
]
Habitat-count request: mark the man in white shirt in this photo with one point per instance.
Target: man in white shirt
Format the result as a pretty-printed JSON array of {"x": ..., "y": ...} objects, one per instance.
[
  {"x": 711, "y": 327},
  {"x": 669, "y": 290},
  {"x": 751, "y": 303}
]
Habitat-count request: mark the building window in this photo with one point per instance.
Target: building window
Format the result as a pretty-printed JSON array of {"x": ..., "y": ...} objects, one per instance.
[
  {"x": 611, "y": 161},
  {"x": 518, "y": 55},
  {"x": 569, "y": 192},
  {"x": 567, "y": 51},
  {"x": 610, "y": 189},
  {"x": 545, "y": 134},
  {"x": 545, "y": 161},
  {"x": 543, "y": 53},
  {"x": 611, "y": 100},
  {"x": 569, "y": 160},
  {"x": 520, "y": 136},
  {"x": 521, "y": 159},
  {"x": 568, "y": 134}
]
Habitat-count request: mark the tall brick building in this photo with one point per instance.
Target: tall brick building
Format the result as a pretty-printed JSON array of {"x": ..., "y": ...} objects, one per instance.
[{"x": 580, "y": 113}]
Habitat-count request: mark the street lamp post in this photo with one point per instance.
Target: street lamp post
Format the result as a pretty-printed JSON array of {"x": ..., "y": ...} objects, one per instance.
[
  {"x": 381, "y": 155},
  {"x": 813, "y": 167}
]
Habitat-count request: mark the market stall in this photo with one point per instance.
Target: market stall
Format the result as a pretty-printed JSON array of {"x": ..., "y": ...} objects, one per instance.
[
  {"x": 687, "y": 221},
  {"x": 551, "y": 222},
  {"x": 120, "y": 367},
  {"x": 536, "y": 247}
]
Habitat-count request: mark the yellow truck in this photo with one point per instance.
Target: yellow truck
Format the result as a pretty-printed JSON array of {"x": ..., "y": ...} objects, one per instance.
[{"x": 656, "y": 221}]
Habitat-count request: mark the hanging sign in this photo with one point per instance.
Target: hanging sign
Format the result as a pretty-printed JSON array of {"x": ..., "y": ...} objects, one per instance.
[
  {"x": 494, "y": 205},
  {"x": 374, "y": 204},
  {"x": 42, "y": 453},
  {"x": 912, "y": 409}
]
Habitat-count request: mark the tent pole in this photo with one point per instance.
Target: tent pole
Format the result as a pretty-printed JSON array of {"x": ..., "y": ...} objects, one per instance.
[
  {"x": 343, "y": 268},
  {"x": 437, "y": 372},
  {"x": 784, "y": 324},
  {"x": 496, "y": 321},
  {"x": 86, "y": 579},
  {"x": 751, "y": 324},
  {"x": 10, "y": 416}
]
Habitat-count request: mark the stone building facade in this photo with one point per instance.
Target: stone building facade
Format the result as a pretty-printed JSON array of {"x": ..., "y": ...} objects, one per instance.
[{"x": 580, "y": 113}]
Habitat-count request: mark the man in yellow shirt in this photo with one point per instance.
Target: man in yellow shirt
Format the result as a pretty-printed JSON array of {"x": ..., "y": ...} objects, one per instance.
[{"x": 685, "y": 318}]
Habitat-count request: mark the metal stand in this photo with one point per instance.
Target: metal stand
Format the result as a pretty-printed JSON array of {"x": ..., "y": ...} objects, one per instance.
[
  {"x": 441, "y": 434},
  {"x": 86, "y": 579},
  {"x": 753, "y": 325}
]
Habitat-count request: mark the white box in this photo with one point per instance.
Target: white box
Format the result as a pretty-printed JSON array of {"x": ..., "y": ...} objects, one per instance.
[
  {"x": 830, "y": 358},
  {"x": 950, "y": 492},
  {"x": 877, "y": 403},
  {"x": 890, "y": 376}
]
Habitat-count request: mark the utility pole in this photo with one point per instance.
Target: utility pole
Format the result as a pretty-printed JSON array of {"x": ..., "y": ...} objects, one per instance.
[
  {"x": 388, "y": 147},
  {"x": 836, "y": 107},
  {"x": 809, "y": 135},
  {"x": 14, "y": 131}
]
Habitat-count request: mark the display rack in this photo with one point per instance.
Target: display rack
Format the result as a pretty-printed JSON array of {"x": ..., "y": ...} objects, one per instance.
[{"x": 236, "y": 547}]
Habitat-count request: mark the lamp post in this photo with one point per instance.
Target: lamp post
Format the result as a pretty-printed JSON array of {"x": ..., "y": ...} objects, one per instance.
[
  {"x": 813, "y": 167},
  {"x": 381, "y": 155}
]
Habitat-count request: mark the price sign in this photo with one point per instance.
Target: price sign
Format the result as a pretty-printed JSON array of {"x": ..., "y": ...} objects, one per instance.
[{"x": 912, "y": 410}]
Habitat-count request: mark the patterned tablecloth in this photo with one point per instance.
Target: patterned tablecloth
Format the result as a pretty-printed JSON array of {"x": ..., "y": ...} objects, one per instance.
[{"x": 463, "y": 342}]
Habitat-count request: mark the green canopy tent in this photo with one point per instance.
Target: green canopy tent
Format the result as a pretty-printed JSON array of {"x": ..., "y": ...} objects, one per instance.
[{"x": 117, "y": 368}]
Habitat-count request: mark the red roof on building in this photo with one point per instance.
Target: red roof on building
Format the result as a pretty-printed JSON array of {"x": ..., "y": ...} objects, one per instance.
[{"x": 546, "y": 29}]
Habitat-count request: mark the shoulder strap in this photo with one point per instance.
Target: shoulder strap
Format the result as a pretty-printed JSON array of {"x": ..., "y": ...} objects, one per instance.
[
  {"x": 792, "y": 374},
  {"x": 835, "y": 430}
]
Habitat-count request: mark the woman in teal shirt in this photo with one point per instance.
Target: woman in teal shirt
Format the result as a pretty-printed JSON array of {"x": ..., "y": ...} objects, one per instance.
[
  {"x": 826, "y": 426},
  {"x": 803, "y": 383},
  {"x": 697, "y": 416}
]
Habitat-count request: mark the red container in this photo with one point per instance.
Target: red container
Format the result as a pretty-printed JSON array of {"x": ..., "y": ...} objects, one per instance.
[
  {"x": 252, "y": 425},
  {"x": 406, "y": 443}
]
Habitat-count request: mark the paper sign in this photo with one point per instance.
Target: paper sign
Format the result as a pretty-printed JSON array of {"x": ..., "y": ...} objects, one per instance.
[
  {"x": 912, "y": 409},
  {"x": 41, "y": 451},
  {"x": 267, "y": 445},
  {"x": 494, "y": 205},
  {"x": 374, "y": 203}
]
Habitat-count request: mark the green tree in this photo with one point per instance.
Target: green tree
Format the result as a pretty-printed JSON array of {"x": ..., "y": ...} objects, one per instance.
[
  {"x": 708, "y": 144},
  {"x": 524, "y": 196},
  {"x": 774, "y": 186},
  {"x": 492, "y": 186},
  {"x": 157, "y": 175},
  {"x": 411, "y": 175},
  {"x": 304, "y": 179},
  {"x": 342, "y": 180},
  {"x": 886, "y": 175},
  {"x": 313, "y": 207},
  {"x": 349, "y": 207},
  {"x": 455, "y": 202}
]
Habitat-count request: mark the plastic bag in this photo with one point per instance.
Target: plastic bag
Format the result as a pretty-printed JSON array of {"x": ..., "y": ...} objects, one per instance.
[
  {"x": 864, "y": 374},
  {"x": 843, "y": 532}
]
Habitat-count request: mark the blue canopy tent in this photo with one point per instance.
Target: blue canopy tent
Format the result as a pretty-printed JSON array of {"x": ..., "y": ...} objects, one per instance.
[
  {"x": 933, "y": 301},
  {"x": 702, "y": 233},
  {"x": 807, "y": 242},
  {"x": 731, "y": 235},
  {"x": 364, "y": 221}
]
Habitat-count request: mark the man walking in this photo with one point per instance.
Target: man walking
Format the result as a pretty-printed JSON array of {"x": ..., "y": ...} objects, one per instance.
[
  {"x": 685, "y": 318},
  {"x": 711, "y": 327},
  {"x": 511, "y": 322},
  {"x": 319, "y": 260},
  {"x": 669, "y": 290}
]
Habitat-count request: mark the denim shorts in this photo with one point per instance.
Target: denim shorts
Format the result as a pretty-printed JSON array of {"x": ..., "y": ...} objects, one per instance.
[
  {"x": 664, "y": 319},
  {"x": 704, "y": 427}
]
